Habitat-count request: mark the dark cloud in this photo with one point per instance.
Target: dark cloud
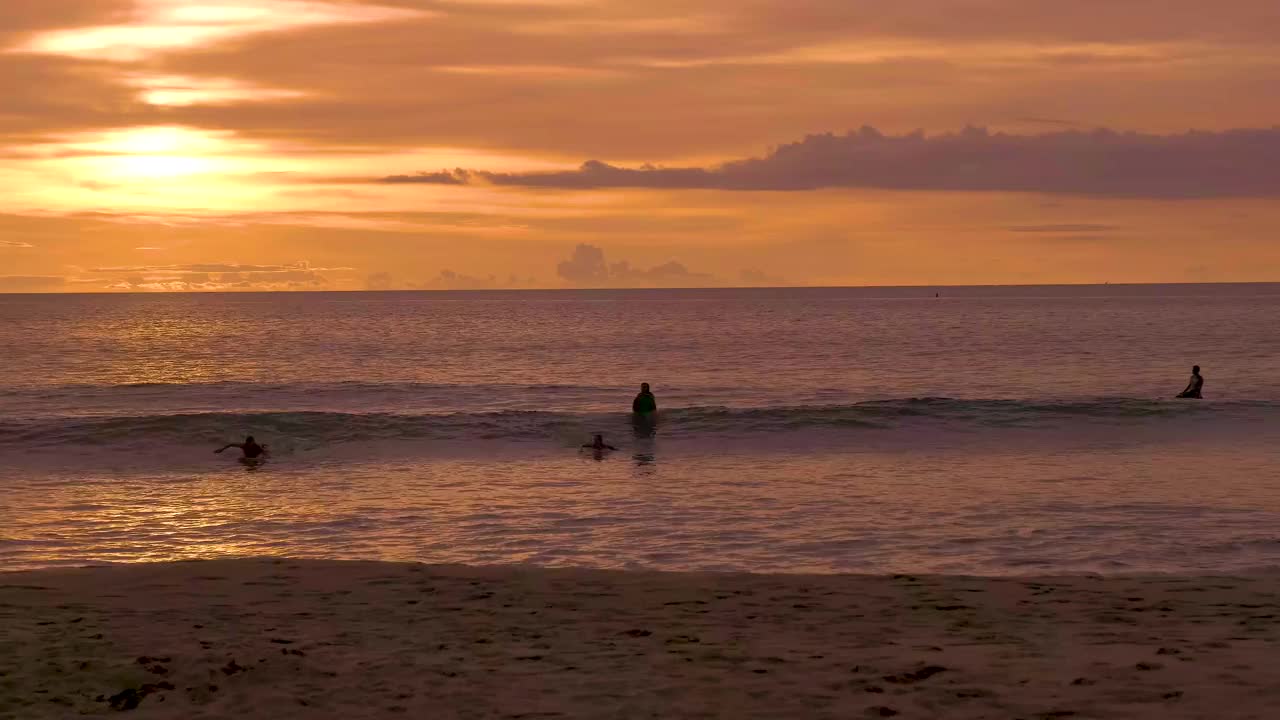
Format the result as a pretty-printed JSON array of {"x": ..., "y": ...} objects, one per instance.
[
  {"x": 444, "y": 177},
  {"x": 1102, "y": 162},
  {"x": 587, "y": 267}
]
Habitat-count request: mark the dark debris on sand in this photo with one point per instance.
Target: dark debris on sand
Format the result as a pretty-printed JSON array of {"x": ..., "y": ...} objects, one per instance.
[
  {"x": 130, "y": 698},
  {"x": 923, "y": 673}
]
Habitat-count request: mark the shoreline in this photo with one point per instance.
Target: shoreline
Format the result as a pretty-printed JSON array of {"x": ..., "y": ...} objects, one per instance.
[{"x": 270, "y": 638}]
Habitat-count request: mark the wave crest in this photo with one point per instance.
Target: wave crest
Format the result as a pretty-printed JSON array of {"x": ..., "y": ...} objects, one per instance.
[{"x": 309, "y": 428}]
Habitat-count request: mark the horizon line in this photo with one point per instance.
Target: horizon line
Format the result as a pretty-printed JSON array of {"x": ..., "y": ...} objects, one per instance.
[{"x": 652, "y": 289}]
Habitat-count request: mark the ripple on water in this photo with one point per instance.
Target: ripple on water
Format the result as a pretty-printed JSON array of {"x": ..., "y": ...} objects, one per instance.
[{"x": 924, "y": 511}]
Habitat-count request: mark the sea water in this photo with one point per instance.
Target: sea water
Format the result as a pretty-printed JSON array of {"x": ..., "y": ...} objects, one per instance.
[{"x": 1024, "y": 430}]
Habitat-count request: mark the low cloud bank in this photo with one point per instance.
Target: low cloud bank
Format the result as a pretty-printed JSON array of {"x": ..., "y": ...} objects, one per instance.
[
  {"x": 214, "y": 277},
  {"x": 1231, "y": 163},
  {"x": 587, "y": 267},
  {"x": 32, "y": 283}
]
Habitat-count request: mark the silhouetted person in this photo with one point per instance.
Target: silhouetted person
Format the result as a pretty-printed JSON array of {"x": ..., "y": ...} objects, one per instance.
[
  {"x": 249, "y": 447},
  {"x": 599, "y": 444},
  {"x": 645, "y": 403},
  {"x": 1194, "y": 386}
]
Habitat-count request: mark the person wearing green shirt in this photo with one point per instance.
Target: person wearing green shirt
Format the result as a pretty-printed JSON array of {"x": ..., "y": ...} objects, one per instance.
[{"x": 645, "y": 403}]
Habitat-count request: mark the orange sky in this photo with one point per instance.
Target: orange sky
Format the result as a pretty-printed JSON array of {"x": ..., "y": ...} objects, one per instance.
[{"x": 345, "y": 144}]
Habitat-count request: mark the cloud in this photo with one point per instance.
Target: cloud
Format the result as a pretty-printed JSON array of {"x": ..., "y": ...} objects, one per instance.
[
  {"x": 379, "y": 281},
  {"x": 31, "y": 283},
  {"x": 213, "y": 277},
  {"x": 444, "y": 177},
  {"x": 1064, "y": 228},
  {"x": 1198, "y": 273},
  {"x": 1102, "y": 162},
  {"x": 157, "y": 26},
  {"x": 1032, "y": 120},
  {"x": 21, "y": 17},
  {"x": 587, "y": 267},
  {"x": 207, "y": 268},
  {"x": 450, "y": 280},
  {"x": 14, "y": 244},
  {"x": 585, "y": 77},
  {"x": 760, "y": 278}
]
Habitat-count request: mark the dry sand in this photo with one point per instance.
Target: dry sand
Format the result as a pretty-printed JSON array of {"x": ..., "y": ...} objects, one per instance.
[{"x": 281, "y": 639}]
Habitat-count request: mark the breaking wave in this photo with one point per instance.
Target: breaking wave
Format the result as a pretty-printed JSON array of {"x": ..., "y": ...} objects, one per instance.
[{"x": 308, "y": 428}]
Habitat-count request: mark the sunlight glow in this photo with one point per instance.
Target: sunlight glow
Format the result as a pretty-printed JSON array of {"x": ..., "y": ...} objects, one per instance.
[
  {"x": 182, "y": 90},
  {"x": 162, "y": 25},
  {"x": 156, "y": 140},
  {"x": 157, "y": 152}
]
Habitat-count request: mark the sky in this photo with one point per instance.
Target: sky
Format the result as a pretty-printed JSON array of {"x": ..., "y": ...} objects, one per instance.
[{"x": 177, "y": 145}]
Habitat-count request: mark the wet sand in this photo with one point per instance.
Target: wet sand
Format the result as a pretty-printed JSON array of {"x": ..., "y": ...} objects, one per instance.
[{"x": 277, "y": 639}]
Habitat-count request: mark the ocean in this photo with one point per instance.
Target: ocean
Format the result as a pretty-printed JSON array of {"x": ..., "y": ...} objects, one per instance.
[{"x": 984, "y": 430}]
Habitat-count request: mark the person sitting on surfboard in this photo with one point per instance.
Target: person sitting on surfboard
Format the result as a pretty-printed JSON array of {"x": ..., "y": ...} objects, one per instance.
[
  {"x": 1194, "y": 386},
  {"x": 249, "y": 447},
  {"x": 645, "y": 403}
]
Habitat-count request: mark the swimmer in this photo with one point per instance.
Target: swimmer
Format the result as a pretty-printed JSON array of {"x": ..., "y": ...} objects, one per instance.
[
  {"x": 645, "y": 402},
  {"x": 249, "y": 447},
  {"x": 598, "y": 445},
  {"x": 1194, "y": 386}
]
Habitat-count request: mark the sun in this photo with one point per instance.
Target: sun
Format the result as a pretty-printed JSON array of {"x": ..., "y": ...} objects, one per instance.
[
  {"x": 159, "y": 152},
  {"x": 162, "y": 166}
]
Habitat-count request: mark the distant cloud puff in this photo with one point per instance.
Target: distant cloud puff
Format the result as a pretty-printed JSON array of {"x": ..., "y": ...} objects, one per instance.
[
  {"x": 450, "y": 280},
  {"x": 379, "y": 281},
  {"x": 753, "y": 276},
  {"x": 587, "y": 267},
  {"x": 1100, "y": 162},
  {"x": 14, "y": 244}
]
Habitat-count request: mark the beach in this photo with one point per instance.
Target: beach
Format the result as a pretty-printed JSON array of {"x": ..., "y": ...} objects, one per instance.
[{"x": 272, "y": 638}]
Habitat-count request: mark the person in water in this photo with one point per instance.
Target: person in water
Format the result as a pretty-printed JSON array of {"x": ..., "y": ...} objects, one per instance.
[
  {"x": 599, "y": 445},
  {"x": 249, "y": 447},
  {"x": 1194, "y": 386},
  {"x": 645, "y": 403}
]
